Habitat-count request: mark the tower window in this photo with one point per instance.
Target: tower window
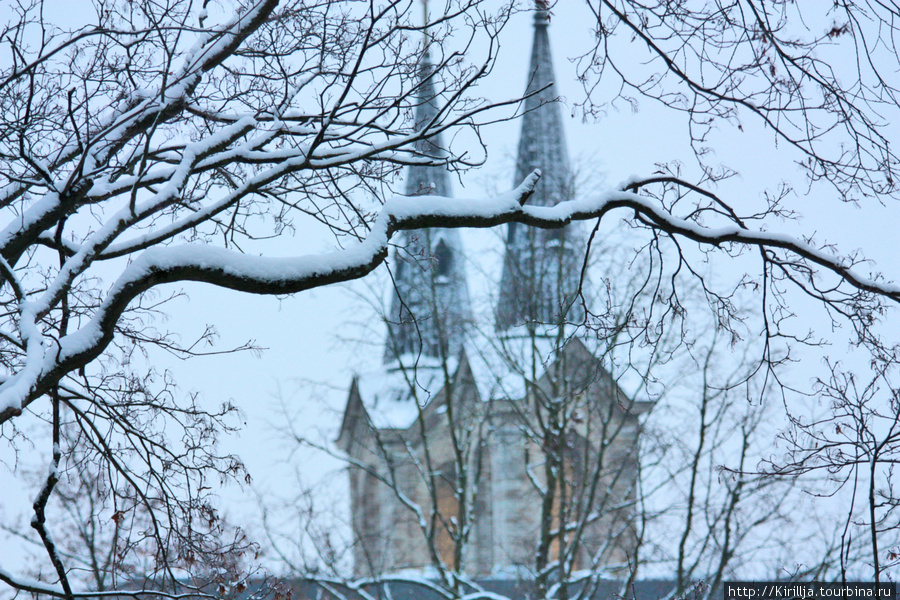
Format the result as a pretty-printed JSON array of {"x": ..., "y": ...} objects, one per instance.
[{"x": 443, "y": 259}]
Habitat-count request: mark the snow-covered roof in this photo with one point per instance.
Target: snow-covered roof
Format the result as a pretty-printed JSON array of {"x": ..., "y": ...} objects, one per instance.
[
  {"x": 497, "y": 364},
  {"x": 393, "y": 395}
]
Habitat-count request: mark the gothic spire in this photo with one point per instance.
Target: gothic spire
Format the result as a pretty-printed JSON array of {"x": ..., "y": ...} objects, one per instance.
[
  {"x": 541, "y": 269},
  {"x": 430, "y": 304}
]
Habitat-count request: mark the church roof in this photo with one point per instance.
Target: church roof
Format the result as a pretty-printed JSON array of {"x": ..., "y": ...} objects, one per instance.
[
  {"x": 430, "y": 305},
  {"x": 496, "y": 365},
  {"x": 393, "y": 397},
  {"x": 541, "y": 271}
]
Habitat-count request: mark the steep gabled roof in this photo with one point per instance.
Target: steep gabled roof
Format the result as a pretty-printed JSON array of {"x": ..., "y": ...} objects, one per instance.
[
  {"x": 353, "y": 411},
  {"x": 585, "y": 370},
  {"x": 497, "y": 363},
  {"x": 387, "y": 399}
]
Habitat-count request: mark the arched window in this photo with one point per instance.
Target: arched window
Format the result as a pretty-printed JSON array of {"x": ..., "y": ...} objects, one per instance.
[{"x": 443, "y": 259}]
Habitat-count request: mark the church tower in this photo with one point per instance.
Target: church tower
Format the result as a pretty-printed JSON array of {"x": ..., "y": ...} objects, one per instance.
[
  {"x": 542, "y": 268},
  {"x": 430, "y": 306},
  {"x": 432, "y": 448}
]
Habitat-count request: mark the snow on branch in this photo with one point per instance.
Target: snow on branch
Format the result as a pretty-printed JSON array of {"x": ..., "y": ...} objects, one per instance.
[
  {"x": 41, "y": 588},
  {"x": 136, "y": 119},
  {"x": 263, "y": 275}
]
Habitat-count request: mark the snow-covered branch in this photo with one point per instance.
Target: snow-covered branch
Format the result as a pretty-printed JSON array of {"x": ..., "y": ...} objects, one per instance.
[
  {"x": 146, "y": 147},
  {"x": 264, "y": 275}
]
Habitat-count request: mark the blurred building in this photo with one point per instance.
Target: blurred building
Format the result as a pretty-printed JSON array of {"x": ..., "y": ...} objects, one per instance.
[{"x": 453, "y": 441}]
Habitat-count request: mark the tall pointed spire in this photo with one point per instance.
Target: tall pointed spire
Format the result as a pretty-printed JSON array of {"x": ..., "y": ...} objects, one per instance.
[
  {"x": 430, "y": 306},
  {"x": 541, "y": 270}
]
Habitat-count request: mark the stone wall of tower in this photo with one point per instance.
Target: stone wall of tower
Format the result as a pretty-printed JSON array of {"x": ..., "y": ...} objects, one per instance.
[
  {"x": 387, "y": 534},
  {"x": 407, "y": 546},
  {"x": 512, "y": 529},
  {"x": 508, "y": 508},
  {"x": 371, "y": 509}
]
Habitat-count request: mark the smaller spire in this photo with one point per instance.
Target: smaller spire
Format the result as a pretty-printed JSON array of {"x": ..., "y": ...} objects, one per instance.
[{"x": 430, "y": 307}]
